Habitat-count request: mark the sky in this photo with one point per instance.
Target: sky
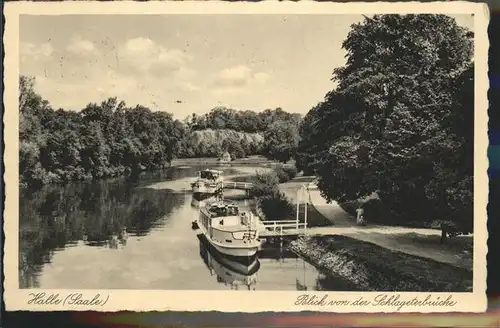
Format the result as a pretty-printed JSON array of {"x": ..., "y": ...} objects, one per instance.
[{"x": 186, "y": 64}]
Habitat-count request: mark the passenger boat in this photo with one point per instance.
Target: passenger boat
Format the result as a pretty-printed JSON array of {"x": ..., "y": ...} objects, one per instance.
[
  {"x": 199, "y": 200},
  {"x": 207, "y": 182},
  {"x": 228, "y": 271},
  {"x": 231, "y": 233}
]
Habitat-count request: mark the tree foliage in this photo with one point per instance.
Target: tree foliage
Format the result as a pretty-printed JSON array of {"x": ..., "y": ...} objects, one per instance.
[
  {"x": 101, "y": 140},
  {"x": 400, "y": 122},
  {"x": 281, "y": 140},
  {"x": 111, "y": 138},
  {"x": 239, "y": 120},
  {"x": 272, "y": 202}
]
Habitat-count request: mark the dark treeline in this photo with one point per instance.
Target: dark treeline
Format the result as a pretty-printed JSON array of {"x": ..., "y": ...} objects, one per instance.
[
  {"x": 399, "y": 124},
  {"x": 101, "y": 140},
  {"x": 111, "y": 139}
]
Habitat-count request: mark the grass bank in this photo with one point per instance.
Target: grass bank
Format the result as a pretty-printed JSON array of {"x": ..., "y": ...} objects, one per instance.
[{"x": 375, "y": 268}]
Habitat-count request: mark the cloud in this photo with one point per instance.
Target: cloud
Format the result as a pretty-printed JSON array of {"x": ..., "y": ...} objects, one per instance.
[
  {"x": 188, "y": 86},
  {"x": 144, "y": 56},
  {"x": 75, "y": 95},
  {"x": 227, "y": 91},
  {"x": 35, "y": 52},
  {"x": 233, "y": 80},
  {"x": 233, "y": 77},
  {"x": 82, "y": 47},
  {"x": 261, "y": 77}
]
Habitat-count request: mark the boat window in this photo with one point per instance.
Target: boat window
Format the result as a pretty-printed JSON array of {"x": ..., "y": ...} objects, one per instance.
[
  {"x": 218, "y": 211},
  {"x": 206, "y": 175},
  {"x": 232, "y": 210}
]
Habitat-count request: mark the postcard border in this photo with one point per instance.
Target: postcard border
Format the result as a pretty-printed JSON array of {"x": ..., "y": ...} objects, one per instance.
[{"x": 256, "y": 301}]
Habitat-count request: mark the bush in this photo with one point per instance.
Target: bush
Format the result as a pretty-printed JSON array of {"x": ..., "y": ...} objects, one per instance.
[
  {"x": 281, "y": 174},
  {"x": 285, "y": 173},
  {"x": 275, "y": 206},
  {"x": 291, "y": 171},
  {"x": 273, "y": 203},
  {"x": 264, "y": 184}
]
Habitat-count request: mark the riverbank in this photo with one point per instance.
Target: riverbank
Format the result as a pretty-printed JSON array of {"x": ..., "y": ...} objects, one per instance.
[
  {"x": 331, "y": 219},
  {"x": 250, "y": 160},
  {"x": 372, "y": 267},
  {"x": 422, "y": 242}
]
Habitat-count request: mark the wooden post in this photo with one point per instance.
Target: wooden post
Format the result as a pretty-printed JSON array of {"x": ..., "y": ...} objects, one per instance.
[
  {"x": 305, "y": 214},
  {"x": 298, "y": 204}
]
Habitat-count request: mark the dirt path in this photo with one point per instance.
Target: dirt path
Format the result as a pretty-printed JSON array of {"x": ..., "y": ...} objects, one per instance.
[{"x": 414, "y": 241}]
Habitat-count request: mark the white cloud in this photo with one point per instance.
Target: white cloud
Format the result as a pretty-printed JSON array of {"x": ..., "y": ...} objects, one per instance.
[
  {"x": 185, "y": 73},
  {"x": 239, "y": 76},
  {"x": 188, "y": 86},
  {"x": 261, "y": 77},
  {"x": 82, "y": 47},
  {"x": 35, "y": 52},
  {"x": 75, "y": 95},
  {"x": 234, "y": 80},
  {"x": 234, "y": 76},
  {"x": 227, "y": 91},
  {"x": 116, "y": 84},
  {"x": 145, "y": 56}
]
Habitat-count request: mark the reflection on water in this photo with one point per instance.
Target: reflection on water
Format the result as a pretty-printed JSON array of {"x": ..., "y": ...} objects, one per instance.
[
  {"x": 101, "y": 215},
  {"x": 200, "y": 200},
  {"x": 230, "y": 271},
  {"x": 123, "y": 234}
]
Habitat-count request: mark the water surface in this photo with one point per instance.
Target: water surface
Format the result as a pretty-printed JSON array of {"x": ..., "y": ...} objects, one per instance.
[{"x": 136, "y": 234}]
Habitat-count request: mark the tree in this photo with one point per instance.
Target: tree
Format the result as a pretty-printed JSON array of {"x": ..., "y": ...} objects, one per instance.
[
  {"x": 281, "y": 140},
  {"x": 101, "y": 140},
  {"x": 398, "y": 123}
]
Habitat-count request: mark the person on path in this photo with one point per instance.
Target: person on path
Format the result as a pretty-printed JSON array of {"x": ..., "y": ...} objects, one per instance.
[{"x": 360, "y": 212}]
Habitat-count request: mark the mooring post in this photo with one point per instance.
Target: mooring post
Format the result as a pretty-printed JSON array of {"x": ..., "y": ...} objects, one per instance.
[
  {"x": 305, "y": 211},
  {"x": 298, "y": 206}
]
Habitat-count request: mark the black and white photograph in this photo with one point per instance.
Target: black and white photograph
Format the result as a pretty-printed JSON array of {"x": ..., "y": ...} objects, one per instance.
[{"x": 283, "y": 152}]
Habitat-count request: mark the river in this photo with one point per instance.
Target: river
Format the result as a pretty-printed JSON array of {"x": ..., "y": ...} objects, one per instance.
[{"x": 136, "y": 234}]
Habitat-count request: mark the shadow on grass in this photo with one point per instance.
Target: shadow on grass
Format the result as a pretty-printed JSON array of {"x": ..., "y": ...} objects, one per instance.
[
  {"x": 314, "y": 218},
  {"x": 304, "y": 179},
  {"x": 457, "y": 251}
]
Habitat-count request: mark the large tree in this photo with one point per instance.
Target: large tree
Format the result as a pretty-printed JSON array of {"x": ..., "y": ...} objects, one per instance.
[
  {"x": 400, "y": 121},
  {"x": 281, "y": 140}
]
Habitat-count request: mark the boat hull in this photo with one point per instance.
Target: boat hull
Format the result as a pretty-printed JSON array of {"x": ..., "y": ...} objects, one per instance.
[
  {"x": 245, "y": 265},
  {"x": 238, "y": 252}
]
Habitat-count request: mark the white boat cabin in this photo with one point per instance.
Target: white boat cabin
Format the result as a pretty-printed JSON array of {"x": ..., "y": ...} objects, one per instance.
[
  {"x": 209, "y": 175},
  {"x": 224, "y": 223}
]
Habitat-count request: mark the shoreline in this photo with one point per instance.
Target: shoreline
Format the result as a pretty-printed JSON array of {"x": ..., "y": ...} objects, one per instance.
[
  {"x": 413, "y": 241},
  {"x": 174, "y": 163},
  {"x": 372, "y": 267},
  {"x": 250, "y": 160}
]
